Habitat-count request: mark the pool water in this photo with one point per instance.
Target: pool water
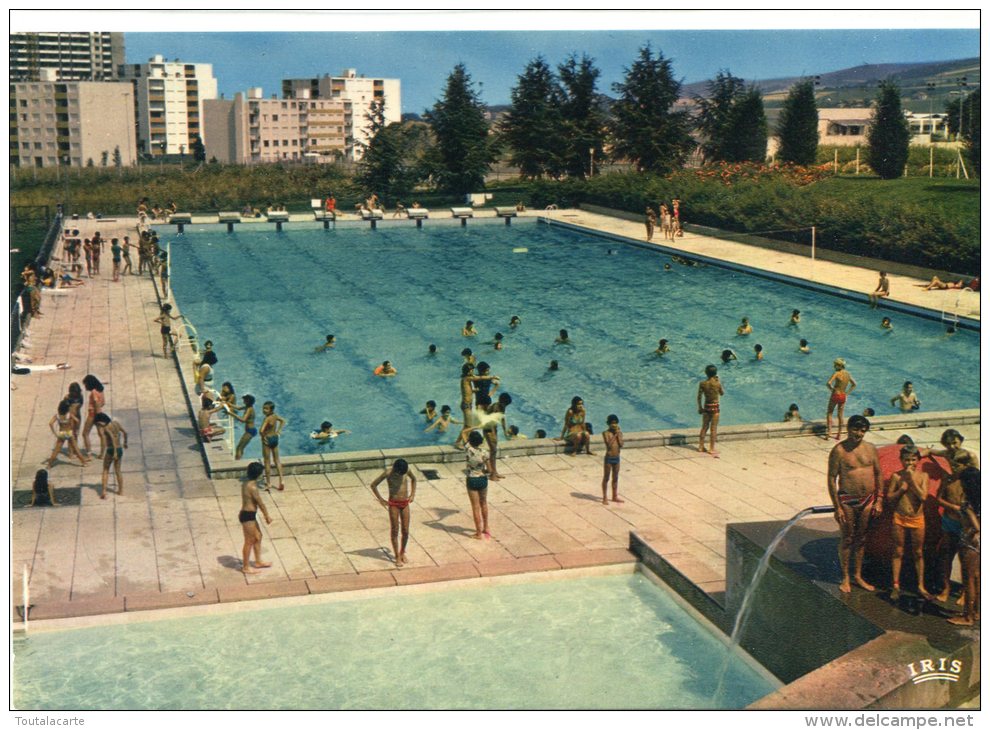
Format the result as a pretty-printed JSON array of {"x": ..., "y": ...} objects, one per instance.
[
  {"x": 268, "y": 299},
  {"x": 607, "y": 642}
]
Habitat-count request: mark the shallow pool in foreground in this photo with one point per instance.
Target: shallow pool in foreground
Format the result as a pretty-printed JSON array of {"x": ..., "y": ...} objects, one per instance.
[
  {"x": 606, "y": 642},
  {"x": 267, "y": 299}
]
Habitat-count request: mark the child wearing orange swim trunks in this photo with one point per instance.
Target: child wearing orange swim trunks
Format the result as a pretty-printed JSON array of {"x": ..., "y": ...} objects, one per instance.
[
  {"x": 840, "y": 384},
  {"x": 401, "y": 493},
  {"x": 906, "y": 493}
]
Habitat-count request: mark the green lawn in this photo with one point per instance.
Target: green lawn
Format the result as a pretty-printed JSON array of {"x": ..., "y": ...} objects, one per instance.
[{"x": 960, "y": 199}]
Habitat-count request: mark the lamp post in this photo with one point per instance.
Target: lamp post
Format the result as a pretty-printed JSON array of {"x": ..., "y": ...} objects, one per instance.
[{"x": 591, "y": 162}]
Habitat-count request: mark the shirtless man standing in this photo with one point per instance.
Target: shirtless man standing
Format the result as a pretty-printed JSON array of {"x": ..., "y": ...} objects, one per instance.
[
  {"x": 248, "y": 517},
  {"x": 841, "y": 384},
  {"x": 854, "y": 485}
]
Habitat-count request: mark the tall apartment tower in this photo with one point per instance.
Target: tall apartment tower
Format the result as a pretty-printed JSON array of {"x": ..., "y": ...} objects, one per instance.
[
  {"x": 250, "y": 129},
  {"x": 74, "y": 56},
  {"x": 169, "y": 97},
  {"x": 59, "y": 123},
  {"x": 357, "y": 93}
]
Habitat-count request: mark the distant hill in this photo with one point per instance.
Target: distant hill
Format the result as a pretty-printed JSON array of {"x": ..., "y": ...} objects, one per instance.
[{"x": 925, "y": 87}]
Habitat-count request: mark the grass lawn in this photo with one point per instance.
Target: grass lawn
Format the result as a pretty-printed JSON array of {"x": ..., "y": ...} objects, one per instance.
[{"x": 959, "y": 199}]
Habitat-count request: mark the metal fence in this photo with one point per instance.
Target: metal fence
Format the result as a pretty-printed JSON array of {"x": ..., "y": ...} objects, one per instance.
[{"x": 18, "y": 315}]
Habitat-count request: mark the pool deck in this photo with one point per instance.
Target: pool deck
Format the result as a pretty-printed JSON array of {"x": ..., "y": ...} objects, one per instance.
[{"x": 173, "y": 538}]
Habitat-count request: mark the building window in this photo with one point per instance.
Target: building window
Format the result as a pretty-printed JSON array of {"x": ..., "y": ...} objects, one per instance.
[
  {"x": 274, "y": 117},
  {"x": 266, "y": 143}
]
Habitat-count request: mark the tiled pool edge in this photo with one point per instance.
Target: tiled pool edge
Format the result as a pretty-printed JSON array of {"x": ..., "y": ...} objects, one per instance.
[
  {"x": 221, "y": 464},
  {"x": 338, "y": 583}
]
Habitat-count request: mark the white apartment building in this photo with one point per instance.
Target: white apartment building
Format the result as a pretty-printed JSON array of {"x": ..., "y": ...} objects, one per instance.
[
  {"x": 73, "y": 56},
  {"x": 356, "y": 91},
  {"x": 71, "y": 122},
  {"x": 169, "y": 96},
  {"x": 250, "y": 129}
]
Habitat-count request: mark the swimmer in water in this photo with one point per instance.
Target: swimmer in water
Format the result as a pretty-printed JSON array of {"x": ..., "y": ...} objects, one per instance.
[
  {"x": 469, "y": 329},
  {"x": 758, "y": 349},
  {"x": 563, "y": 338},
  {"x": 469, "y": 358},
  {"x": 443, "y": 421},
  {"x": 497, "y": 341},
  {"x": 728, "y": 355},
  {"x": 795, "y": 317},
  {"x": 430, "y": 411},
  {"x": 803, "y": 347},
  {"x": 554, "y": 366},
  {"x": 662, "y": 348},
  {"x": 328, "y": 345},
  {"x": 385, "y": 370},
  {"x": 327, "y": 431},
  {"x": 515, "y": 321},
  {"x": 432, "y": 350},
  {"x": 745, "y": 328},
  {"x": 886, "y": 324}
]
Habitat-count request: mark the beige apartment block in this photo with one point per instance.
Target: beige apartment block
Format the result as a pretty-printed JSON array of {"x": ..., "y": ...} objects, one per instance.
[
  {"x": 73, "y": 56},
  {"x": 71, "y": 122},
  {"x": 358, "y": 92},
  {"x": 250, "y": 129},
  {"x": 169, "y": 96}
]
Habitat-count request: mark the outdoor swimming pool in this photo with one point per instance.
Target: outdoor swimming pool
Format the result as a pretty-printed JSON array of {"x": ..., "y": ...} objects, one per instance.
[
  {"x": 267, "y": 299},
  {"x": 605, "y": 642}
]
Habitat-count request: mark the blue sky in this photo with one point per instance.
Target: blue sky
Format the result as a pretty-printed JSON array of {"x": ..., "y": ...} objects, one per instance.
[
  {"x": 421, "y": 47},
  {"x": 422, "y": 60}
]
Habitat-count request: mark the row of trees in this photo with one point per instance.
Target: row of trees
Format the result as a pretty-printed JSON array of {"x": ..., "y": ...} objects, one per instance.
[{"x": 559, "y": 125}]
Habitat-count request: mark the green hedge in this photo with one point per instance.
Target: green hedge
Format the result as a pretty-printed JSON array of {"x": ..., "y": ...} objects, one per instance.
[{"x": 915, "y": 221}]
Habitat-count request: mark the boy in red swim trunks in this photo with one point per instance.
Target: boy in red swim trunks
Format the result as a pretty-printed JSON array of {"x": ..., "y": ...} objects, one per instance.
[
  {"x": 841, "y": 384},
  {"x": 711, "y": 389},
  {"x": 906, "y": 493},
  {"x": 401, "y": 493}
]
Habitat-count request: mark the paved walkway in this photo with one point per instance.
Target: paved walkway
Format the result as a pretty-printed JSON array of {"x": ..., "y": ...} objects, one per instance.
[{"x": 173, "y": 537}]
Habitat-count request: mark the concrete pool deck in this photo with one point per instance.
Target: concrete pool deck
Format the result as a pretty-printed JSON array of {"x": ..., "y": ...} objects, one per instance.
[{"x": 173, "y": 537}]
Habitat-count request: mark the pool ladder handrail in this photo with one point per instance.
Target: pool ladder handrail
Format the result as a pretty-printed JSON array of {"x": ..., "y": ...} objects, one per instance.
[
  {"x": 953, "y": 316},
  {"x": 546, "y": 213},
  {"x": 192, "y": 342}
]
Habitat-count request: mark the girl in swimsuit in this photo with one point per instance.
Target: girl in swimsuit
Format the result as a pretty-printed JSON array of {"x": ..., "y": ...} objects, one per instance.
[
  {"x": 248, "y": 420},
  {"x": 270, "y": 429},
  {"x": 64, "y": 433},
  {"x": 96, "y": 402},
  {"x": 75, "y": 400},
  {"x": 574, "y": 431},
  {"x": 477, "y": 484}
]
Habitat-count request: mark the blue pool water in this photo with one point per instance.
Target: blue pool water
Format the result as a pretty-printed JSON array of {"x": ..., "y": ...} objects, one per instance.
[
  {"x": 268, "y": 299},
  {"x": 591, "y": 643}
]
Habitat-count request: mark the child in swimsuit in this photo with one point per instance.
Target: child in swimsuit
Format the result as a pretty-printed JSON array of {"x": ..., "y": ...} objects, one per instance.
[
  {"x": 443, "y": 421},
  {"x": 270, "y": 429},
  {"x": 401, "y": 493},
  {"x": 469, "y": 329},
  {"x": 574, "y": 431},
  {"x": 712, "y": 390},
  {"x": 612, "y": 436},
  {"x": 327, "y": 432},
  {"x": 113, "y": 440},
  {"x": 165, "y": 319},
  {"x": 840, "y": 384},
  {"x": 248, "y": 517},
  {"x": 248, "y": 420},
  {"x": 328, "y": 345},
  {"x": 969, "y": 544},
  {"x": 42, "y": 492},
  {"x": 907, "y": 492},
  {"x": 430, "y": 412},
  {"x": 67, "y": 424},
  {"x": 745, "y": 328}
]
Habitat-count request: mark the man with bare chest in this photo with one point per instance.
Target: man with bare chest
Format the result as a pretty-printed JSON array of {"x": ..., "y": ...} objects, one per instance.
[{"x": 854, "y": 484}]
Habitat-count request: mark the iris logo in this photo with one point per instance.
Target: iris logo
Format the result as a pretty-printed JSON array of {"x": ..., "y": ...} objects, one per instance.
[{"x": 929, "y": 669}]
